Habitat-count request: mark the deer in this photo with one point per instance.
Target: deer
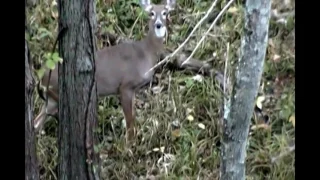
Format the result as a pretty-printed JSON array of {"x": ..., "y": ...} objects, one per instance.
[{"x": 120, "y": 69}]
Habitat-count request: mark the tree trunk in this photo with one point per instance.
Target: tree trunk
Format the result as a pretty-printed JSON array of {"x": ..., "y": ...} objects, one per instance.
[
  {"x": 77, "y": 91},
  {"x": 31, "y": 164},
  {"x": 238, "y": 111}
]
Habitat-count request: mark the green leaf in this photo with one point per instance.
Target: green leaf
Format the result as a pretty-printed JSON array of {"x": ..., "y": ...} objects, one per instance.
[
  {"x": 43, "y": 35},
  {"x": 27, "y": 36},
  {"x": 285, "y": 113},
  {"x": 40, "y": 72},
  {"x": 50, "y": 64},
  {"x": 96, "y": 148},
  {"x": 189, "y": 83},
  {"x": 56, "y": 58},
  {"x": 47, "y": 56},
  {"x": 55, "y": 55}
]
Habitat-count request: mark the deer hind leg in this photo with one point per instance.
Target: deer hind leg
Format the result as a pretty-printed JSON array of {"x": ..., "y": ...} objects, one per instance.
[
  {"x": 127, "y": 98},
  {"x": 51, "y": 109}
]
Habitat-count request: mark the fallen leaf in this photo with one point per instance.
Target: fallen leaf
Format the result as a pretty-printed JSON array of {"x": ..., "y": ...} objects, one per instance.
[
  {"x": 162, "y": 149},
  {"x": 260, "y": 99},
  {"x": 181, "y": 88},
  {"x": 259, "y": 126},
  {"x": 271, "y": 43},
  {"x": 55, "y": 15},
  {"x": 202, "y": 126},
  {"x": 157, "y": 89},
  {"x": 190, "y": 118},
  {"x": 292, "y": 119},
  {"x": 214, "y": 54},
  {"x": 198, "y": 78},
  {"x": 189, "y": 110},
  {"x": 176, "y": 133},
  {"x": 233, "y": 10},
  {"x": 276, "y": 58},
  {"x": 123, "y": 122}
]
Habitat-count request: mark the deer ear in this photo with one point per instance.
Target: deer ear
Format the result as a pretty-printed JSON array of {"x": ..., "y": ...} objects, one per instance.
[
  {"x": 171, "y": 5},
  {"x": 146, "y": 5}
]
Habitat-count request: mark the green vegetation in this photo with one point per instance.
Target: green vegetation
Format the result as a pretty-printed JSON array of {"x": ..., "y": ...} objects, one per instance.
[{"x": 178, "y": 136}]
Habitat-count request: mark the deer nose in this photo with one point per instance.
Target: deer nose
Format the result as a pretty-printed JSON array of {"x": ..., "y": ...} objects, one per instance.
[{"x": 158, "y": 26}]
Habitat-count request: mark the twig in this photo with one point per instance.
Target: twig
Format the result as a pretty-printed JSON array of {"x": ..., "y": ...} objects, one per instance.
[
  {"x": 211, "y": 26},
  {"x": 290, "y": 149},
  {"x": 194, "y": 14},
  {"x": 225, "y": 72},
  {"x": 187, "y": 39},
  {"x": 134, "y": 24}
]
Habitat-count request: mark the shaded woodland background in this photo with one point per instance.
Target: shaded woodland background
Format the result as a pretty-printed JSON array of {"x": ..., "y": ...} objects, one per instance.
[{"x": 177, "y": 117}]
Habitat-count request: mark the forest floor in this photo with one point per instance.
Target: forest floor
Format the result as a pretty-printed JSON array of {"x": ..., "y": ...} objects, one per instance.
[{"x": 177, "y": 118}]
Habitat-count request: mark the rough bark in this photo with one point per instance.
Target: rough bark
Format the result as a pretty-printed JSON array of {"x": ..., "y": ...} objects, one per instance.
[
  {"x": 31, "y": 164},
  {"x": 239, "y": 109},
  {"x": 77, "y": 91}
]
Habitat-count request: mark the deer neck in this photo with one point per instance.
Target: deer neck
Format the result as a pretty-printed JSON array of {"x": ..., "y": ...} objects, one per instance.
[{"x": 154, "y": 44}]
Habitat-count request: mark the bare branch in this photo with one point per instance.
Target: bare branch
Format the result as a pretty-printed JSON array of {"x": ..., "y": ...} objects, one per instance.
[{"x": 210, "y": 28}]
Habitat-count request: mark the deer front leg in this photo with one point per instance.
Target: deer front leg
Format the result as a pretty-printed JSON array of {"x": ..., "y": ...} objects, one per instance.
[
  {"x": 52, "y": 109},
  {"x": 127, "y": 98}
]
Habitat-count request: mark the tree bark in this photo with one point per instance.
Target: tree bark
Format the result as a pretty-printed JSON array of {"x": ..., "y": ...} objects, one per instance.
[
  {"x": 77, "y": 91},
  {"x": 31, "y": 164},
  {"x": 238, "y": 111}
]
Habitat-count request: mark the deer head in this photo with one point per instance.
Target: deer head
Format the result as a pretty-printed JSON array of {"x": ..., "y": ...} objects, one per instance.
[{"x": 158, "y": 15}]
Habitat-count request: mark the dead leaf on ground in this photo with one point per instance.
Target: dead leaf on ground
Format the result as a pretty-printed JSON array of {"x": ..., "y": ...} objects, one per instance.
[
  {"x": 202, "y": 126},
  {"x": 292, "y": 119},
  {"x": 176, "y": 133},
  {"x": 260, "y": 126},
  {"x": 233, "y": 10},
  {"x": 259, "y": 101},
  {"x": 190, "y": 118},
  {"x": 276, "y": 58}
]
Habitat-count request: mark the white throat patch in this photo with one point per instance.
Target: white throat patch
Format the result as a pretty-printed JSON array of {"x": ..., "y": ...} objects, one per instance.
[{"x": 160, "y": 33}]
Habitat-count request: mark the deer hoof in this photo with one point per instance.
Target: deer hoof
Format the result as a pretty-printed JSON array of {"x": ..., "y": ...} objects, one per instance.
[{"x": 130, "y": 135}]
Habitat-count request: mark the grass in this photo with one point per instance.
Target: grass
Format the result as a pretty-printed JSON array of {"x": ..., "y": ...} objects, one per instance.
[{"x": 178, "y": 135}]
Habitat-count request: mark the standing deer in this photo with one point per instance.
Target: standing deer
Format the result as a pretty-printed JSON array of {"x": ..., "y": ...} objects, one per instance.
[{"x": 120, "y": 69}]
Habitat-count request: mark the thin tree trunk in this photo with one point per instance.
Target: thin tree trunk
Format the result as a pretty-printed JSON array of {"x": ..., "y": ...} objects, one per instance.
[
  {"x": 238, "y": 111},
  {"x": 77, "y": 91},
  {"x": 31, "y": 164}
]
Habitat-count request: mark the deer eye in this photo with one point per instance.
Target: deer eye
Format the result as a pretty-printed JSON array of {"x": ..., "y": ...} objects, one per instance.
[
  {"x": 164, "y": 13},
  {"x": 151, "y": 13}
]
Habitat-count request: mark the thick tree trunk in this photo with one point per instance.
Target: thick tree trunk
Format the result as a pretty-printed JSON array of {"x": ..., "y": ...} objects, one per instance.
[
  {"x": 239, "y": 111},
  {"x": 31, "y": 165},
  {"x": 77, "y": 91}
]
